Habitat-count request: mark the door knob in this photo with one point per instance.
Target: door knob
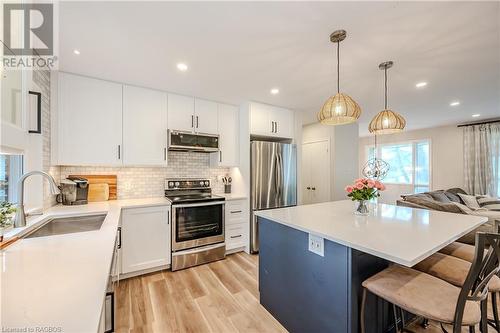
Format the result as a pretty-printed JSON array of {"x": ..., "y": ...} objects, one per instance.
[
  {"x": 314, "y": 188},
  {"x": 308, "y": 188}
]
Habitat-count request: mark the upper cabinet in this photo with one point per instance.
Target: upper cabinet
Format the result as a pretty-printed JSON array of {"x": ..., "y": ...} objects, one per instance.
[
  {"x": 228, "y": 125},
  {"x": 181, "y": 113},
  {"x": 144, "y": 127},
  {"x": 89, "y": 121},
  {"x": 192, "y": 114},
  {"x": 271, "y": 121},
  {"x": 205, "y": 115}
]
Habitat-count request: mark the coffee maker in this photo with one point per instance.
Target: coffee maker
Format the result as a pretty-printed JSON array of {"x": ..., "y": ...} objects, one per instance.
[{"x": 74, "y": 191}]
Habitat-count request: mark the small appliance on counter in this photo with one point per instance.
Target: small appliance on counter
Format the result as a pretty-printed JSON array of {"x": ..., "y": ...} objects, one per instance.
[
  {"x": 74, "y": 191},
  {"x": 197, "y": 222}
]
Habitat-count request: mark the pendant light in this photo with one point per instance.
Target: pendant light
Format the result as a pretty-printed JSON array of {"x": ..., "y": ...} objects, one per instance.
[
  {"x": 339, "y": 109},
  {"x": 386, "y": 121},
  {"x": 375, "y": 168}
]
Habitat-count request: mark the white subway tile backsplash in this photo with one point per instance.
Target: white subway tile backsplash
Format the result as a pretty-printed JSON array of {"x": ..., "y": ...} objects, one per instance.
[{"x": 143, "y": 182}]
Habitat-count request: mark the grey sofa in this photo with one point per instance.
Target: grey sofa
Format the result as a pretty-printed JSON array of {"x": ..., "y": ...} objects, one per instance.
[{"x": 442, "y": 200}]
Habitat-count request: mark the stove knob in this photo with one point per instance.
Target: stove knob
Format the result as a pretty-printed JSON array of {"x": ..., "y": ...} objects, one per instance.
[
  {"x": 177, "y": 184},
  {"x": 201, "y": 183},
  {"x": 170, "y": 184},
  {"x": 207, "y": 183}
]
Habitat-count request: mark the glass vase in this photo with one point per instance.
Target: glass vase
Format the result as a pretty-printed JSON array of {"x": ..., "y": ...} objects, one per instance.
[{"x": 362, "y": 208}]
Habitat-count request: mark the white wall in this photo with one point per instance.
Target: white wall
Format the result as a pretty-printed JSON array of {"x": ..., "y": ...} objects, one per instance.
[{"x": 446, "y": 157}]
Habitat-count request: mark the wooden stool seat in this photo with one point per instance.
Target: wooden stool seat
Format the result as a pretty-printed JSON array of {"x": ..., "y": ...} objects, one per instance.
[
  {"x": 421, "y": 294},
  {"x": 451, "y": 269},
  {"x": 460, "y": 250}
]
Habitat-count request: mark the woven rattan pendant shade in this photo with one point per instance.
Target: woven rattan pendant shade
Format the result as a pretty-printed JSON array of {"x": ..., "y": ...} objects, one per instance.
[
  {"x": 387, "y": 122},
  {"x": 339, "y": 109}
]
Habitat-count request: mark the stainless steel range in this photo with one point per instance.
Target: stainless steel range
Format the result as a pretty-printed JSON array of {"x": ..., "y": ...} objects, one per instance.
[{"x": 197, "y": 222}]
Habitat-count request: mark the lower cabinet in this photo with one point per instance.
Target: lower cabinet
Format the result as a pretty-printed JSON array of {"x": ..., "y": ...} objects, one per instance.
[
  {"x": 145, "y": 238},
  {"x": 237, "y": 225}
]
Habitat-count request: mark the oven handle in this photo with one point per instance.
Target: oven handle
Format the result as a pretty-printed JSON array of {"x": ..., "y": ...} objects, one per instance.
[{"x": 200, "y": 204}]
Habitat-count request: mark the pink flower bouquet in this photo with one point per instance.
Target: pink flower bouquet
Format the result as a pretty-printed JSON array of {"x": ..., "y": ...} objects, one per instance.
[{"x": 364, "y": 189}]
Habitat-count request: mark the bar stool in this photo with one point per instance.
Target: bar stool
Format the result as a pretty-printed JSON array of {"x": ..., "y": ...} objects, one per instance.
[
  {"x": 459, "y": 250},
  {"x": 430, "y": 297},
  {"x": 454, "y": 270}
]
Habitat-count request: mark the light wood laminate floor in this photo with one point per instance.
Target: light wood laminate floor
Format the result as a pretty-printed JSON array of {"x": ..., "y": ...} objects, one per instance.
[{"x": 218, "y": 297}]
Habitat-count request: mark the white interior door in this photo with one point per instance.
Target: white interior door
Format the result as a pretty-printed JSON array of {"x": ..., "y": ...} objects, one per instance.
[{"x": 316, "y": 171}]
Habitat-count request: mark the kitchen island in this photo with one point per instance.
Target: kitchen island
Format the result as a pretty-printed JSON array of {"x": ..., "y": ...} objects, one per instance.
[{"x": 310, "y": 292}]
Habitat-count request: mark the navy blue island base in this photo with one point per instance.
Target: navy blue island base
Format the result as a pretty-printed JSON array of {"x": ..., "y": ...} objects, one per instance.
[{"x": 306, "y": 292}]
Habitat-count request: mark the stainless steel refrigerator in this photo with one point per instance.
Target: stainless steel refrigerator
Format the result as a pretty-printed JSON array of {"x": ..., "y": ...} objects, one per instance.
[{"x": 273, "y": 180}]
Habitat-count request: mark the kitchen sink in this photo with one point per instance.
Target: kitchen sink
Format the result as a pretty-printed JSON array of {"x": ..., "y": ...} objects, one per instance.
[{"x": 68, "y": 225}]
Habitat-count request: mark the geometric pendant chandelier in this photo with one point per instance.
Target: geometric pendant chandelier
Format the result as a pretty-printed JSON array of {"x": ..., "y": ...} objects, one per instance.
[
  {"x": 386, "y": 121},
  {"x": 339, "y": 109}
]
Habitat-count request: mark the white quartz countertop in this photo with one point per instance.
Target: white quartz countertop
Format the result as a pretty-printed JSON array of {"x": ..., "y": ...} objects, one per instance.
[
  {"x": 60, "y": 281},
  {"x": 399, "y": 234},
  {"x": 232, "y": 196}
]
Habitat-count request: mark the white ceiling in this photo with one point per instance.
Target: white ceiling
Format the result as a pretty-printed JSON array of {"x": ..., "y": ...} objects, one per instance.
[{"x": 237, "y": 51}]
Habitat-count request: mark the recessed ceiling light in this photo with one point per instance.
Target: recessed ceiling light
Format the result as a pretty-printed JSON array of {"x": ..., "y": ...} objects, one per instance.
[
  {"x": 275, "y": 91},
  {"x": 182, "y": 67},
  {"x": 421, "y": 84},
  {"x": 476, "y": 115},
  {"x": 455, "y": 103},
  {"x": 75, "y": 51}
]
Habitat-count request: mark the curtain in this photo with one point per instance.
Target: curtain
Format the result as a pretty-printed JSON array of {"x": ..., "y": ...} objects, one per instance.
[{"x": 482, "y": 159}]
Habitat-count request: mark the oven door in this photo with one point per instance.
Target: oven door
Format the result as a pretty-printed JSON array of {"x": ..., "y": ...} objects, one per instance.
[{"x": 197, "y": 224}]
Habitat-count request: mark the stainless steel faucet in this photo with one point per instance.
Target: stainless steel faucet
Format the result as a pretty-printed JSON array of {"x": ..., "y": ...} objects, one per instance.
[{"x": 20, "y": 220}]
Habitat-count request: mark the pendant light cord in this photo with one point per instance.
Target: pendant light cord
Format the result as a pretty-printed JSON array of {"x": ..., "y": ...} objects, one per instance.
[
  {"x": 385, "y": 75},
  {"x": 338, "y": 67}
]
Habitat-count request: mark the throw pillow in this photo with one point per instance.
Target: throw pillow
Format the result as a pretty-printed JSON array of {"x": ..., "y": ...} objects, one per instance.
[
  {"x": 463, "y": 208},
  {"x": 489, "y": 203},
  {"x": 469, "y": 200},
  {"x": 453, "y": 196},
  {"x": 439, "y": 196}
]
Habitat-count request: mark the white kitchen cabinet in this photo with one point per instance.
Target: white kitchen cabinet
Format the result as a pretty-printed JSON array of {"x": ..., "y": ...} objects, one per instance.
[
  {"x": 228, "y": 129},
  {"x": 271, "y": 121},
  {"x": 205, "y": 116},
  {"x": 89, "y": 121},
  {"x": 283, "y": 122},
  {"x": 181, "y": 113},
  {"x": 236, "y": 224},
  {"x": 144, "y": 127},
  {"x": 145, "y": 238}
]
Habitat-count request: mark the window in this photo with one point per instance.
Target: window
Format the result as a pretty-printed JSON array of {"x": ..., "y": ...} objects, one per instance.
[
  {"x": 409, "y": 163},
  {"x": 11, "y": 169}
]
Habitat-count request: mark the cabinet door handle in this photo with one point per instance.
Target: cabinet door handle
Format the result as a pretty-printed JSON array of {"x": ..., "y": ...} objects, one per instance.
[
  {"x": 119, "y": 237},
  {"x": 272, "y": 126},
  {"x": 119, "y": 152},
  {"x": 276, "y": 127},
  {"x": 164, "y": 154},
  {"x": 220, "y": 156},
  {"x": 192, "y": 121},
  {"x": 235, "y": 211},
  {"x": 168, "y": 217},
  {"x": 197, "y": 122},
  {"x": 237, "y": 236}
]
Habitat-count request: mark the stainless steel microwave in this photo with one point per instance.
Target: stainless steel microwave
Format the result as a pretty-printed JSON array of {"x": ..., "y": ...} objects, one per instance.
[{"x": 187, "y": 141}]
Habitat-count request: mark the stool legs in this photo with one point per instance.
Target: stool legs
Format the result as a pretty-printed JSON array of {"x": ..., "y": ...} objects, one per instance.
[
  {"x": 362, "y": 312},
  {"x": 494, "y": 306}
]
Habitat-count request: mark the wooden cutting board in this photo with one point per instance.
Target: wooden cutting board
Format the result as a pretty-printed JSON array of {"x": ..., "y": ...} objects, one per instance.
[
  {"x": 103, "y": 179},
  {"x": 98, "y": 192}
]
